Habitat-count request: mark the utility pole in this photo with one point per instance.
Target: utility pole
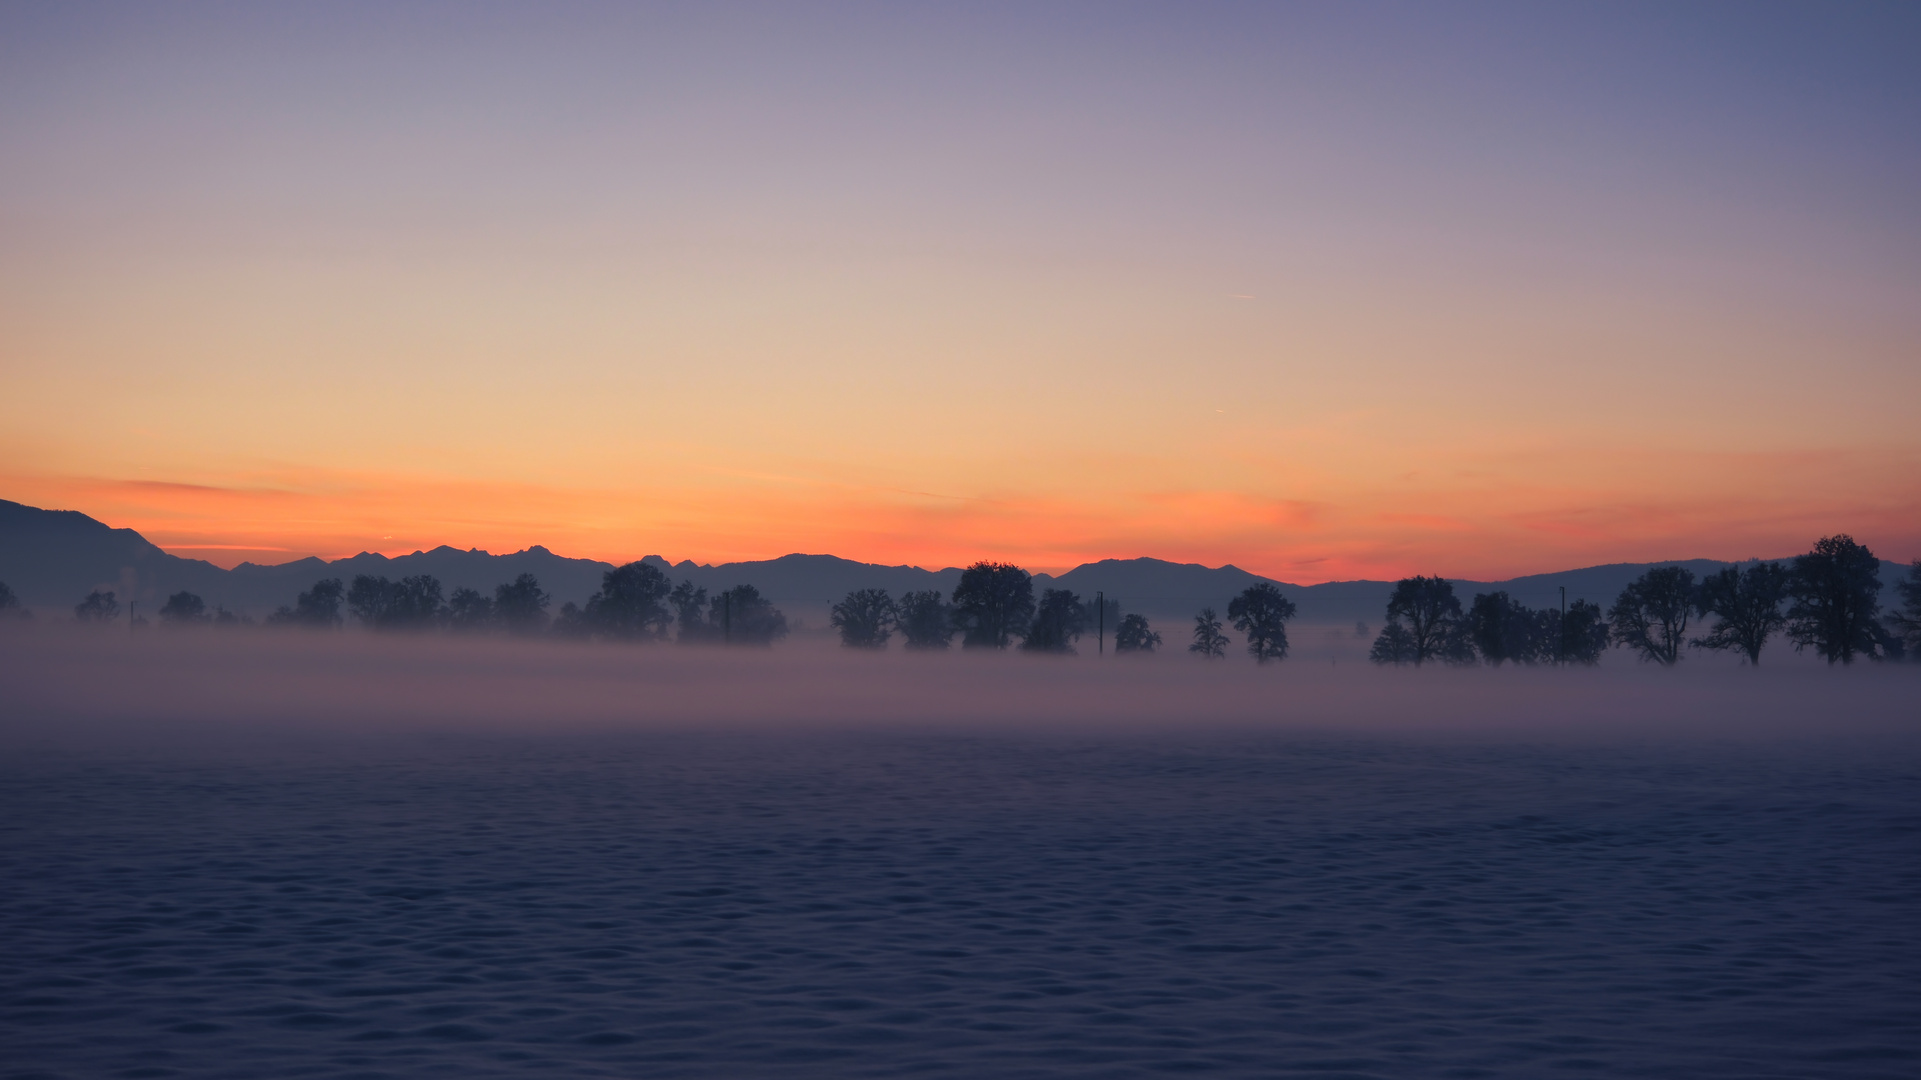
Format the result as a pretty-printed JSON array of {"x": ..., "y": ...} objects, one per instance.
[
  {"x": 727, "y": 617},
  {"x": 1100, "y": 622}
]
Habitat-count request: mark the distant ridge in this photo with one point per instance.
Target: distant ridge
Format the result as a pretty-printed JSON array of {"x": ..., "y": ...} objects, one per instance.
[{"x": 52, "y": 558}]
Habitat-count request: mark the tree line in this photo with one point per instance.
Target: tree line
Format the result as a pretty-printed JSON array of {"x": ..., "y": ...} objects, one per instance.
[
  {"x": 991, "y": 607},
  {"x": 994, "y": 604},
  {"x": 1826, "y": 600},
  {"x": 635, "y": 602}
]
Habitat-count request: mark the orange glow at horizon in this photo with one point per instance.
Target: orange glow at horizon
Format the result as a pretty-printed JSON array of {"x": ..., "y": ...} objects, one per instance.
[{"x": 1461, "y": 530}]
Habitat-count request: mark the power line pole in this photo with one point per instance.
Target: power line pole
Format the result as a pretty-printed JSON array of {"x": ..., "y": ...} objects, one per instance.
[{"x": 1100, "y": 622}]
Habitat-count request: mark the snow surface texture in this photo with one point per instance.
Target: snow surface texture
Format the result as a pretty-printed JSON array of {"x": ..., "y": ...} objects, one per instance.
[{"x": 203, "y": 875}]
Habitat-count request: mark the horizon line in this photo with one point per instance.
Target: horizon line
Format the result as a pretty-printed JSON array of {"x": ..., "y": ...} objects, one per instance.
[{"x": 1055, "y": 571}]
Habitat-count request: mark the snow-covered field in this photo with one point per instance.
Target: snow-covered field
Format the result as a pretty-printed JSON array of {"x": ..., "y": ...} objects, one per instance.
[{"x": 280, "y": 857}]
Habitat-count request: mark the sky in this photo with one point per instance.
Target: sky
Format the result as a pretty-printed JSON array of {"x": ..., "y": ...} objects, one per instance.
[{"x": 1324, "y": 291}]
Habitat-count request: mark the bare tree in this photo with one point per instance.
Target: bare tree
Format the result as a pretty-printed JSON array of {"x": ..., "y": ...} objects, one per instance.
[
  {"x": 1651, "y": 614},
  {"x": 1134, "y": 635},
  {"x": 1423, "y": 623},
  {"x": 865, "y": 618},
  {"x": 1836, "y": 592},
  {"x": 1058, "y": 623},
  {"x": 1209, "y": 641},
  {"x": 1260, "y": 613},
  {"x": 1502, "y": 629},
  {"x": 1394, "y": 646},
  {"x": 690, "y": 613},
  {"x": 318, "y": 608},
  {"x": 98, "y": 607},
  {"x": 926, "y": 620},
  {"x": 469, "y": 612},
  {"x": 993, "y": 604},
  {"x": 1582, "y": 635},
  {"x": 521, "y": 606},
  {"x": 1747, "y": 606},
  {"x": 744, "y": 617},
  {"x": 412, "y": 603},
  {"x": 184, "y": 609},
  {"x": 629, "y": 605}
]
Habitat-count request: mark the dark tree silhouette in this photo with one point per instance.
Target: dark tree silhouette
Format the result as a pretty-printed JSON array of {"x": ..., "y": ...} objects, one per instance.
[
  {"x": 10, "y": 604},
  {"x": 1058, "y": 623},
  {"x": 690, "y": 613},
  {"x": 1907, "y": 621},
  {"x": 1209, "y": 641},
  {"x": 1836, "y": 592},
  {"x": 571, "y": 623},
  {"x": 742, "y": 617},
  {"x": 1651, "y": 614},
  {"x": 1394, "y": 646},
  {"x": 1134, "y": 635},
  {"x": 369, "y": 599},
  {"x": 926, "y": 620},
  {"x": 521, "y": 606},
  {"x": 629, "y": 605},
  {"x": 98, "y": 607},
  {"x": 993, "y": 604},
  {"x": 1503, "y": 630},
  {"x": 1428, "y": 615},
  {"x": 412, "y": 603},
  {"x": 1543, "y": 629},
  {"x": 469, "y": 612},
  {"x": 1260, "y": 613},
  {"x": 1581, "y": 637},
  {"x": 417, "y": 603},
  {"x": 865, "y": 618},
  {"x": 1746, "y": 605},
  {"x": 318, "y": 608},
  {"x": 184, "y": 609}
]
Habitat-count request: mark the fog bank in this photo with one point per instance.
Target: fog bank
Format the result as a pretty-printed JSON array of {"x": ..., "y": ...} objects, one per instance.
[{"x": 68, "y": 687}]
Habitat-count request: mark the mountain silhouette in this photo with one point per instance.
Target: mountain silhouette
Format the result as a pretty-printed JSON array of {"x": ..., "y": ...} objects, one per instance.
[{"x": 52, "y": 558}]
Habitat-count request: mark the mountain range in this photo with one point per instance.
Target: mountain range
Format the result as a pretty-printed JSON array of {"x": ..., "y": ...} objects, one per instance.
[{"x": 53, "y": 558}]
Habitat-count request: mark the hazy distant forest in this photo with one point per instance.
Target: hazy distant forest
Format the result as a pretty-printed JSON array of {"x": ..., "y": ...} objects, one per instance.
[{"x": 1827, "y": 600}]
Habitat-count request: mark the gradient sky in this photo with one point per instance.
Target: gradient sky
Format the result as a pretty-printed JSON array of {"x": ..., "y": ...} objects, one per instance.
[{"x": 1325, "y": 291}]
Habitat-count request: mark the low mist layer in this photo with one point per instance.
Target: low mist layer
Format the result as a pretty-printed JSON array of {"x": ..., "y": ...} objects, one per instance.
[{"x": 66, "y": 685}]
